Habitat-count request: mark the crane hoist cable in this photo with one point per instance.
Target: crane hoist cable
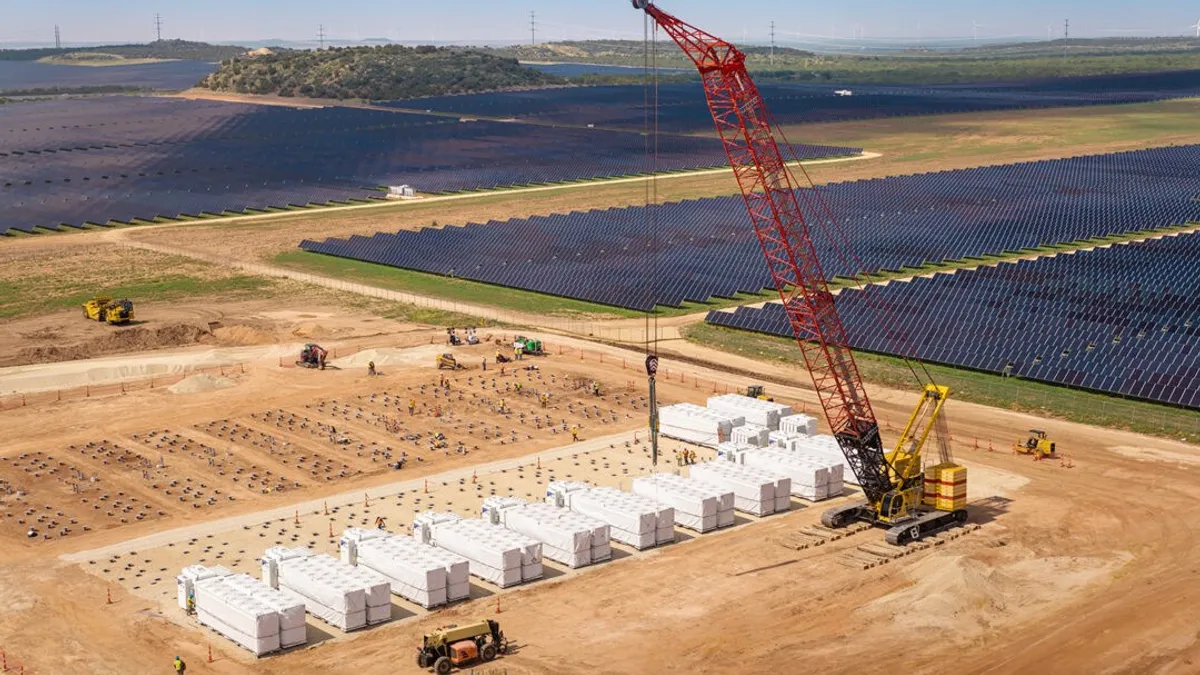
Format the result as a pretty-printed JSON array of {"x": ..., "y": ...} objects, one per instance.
[{"x": 650, "y": 134}]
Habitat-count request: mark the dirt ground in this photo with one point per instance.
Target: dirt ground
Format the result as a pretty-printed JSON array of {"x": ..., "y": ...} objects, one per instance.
[
  {"x": 1075, "y": 567},
  {"x": 1084, "y": 565}
]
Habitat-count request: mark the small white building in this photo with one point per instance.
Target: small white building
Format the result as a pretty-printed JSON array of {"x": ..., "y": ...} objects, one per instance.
[{"x": 401, "y": 192}]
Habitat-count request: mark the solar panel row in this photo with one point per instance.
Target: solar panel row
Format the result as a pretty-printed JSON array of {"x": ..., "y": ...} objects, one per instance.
[
  {"x": 71, "y": 162},
  {"x": 1123, "y": 320},
  {"x": 707, "y": 249},
  {"x": 681, "y": 107}
]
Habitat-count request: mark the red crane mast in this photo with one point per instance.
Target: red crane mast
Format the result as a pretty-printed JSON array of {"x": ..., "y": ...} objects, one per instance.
[{"x": 746, "y": 129}]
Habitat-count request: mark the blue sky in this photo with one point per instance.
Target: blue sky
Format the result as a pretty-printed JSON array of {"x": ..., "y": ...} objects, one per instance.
[{"x": 478, "y": 20}]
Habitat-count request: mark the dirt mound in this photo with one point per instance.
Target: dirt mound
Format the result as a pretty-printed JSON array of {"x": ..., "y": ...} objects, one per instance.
[
  {"x": 114, "y": 340},
  {"x": 203, "y": 382},
  {"x": 243, "y": 335},
  {"x": 310, "y": 329},
  {"x": 969, "y": 596},
  {"x": 416, "y": 356}
]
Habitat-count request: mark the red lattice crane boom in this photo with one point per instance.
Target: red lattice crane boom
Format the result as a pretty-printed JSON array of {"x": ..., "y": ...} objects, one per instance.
[{"x": 746, "y": 128}]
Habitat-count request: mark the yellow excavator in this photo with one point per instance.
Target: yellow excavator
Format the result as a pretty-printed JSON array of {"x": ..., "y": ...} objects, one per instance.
[
  {"x": 448, "y": 362},
  {"x": 106, "y": 310},
  {"x": 1037, "y": 445}
]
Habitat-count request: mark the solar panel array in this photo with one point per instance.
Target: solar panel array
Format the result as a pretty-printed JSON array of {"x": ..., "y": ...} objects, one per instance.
[
  {"x": 681, "y": 107},
  {"x": 706, "y": 247},
  {"x": 24, "y": 75},
  {"x": 1123, "y": 320},
  {"x": 66, "y": 163}
]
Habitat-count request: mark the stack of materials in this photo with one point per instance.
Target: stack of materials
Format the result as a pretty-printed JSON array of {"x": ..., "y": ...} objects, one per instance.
[
  {"x": 694, "y": 424},
  {"x": 293, "y": 632},
  {"x": 811, "y": 479},
  {"x": 343, "y": 596},
  {"x": 493, "y": 506},
  {"x": 245, "y": 610},
  {"x": 752, "y": 435},
  {"x": 758, "y": 492},
  {"x": 798, "y": 425},
  {"x": 423, "y": 524},
  {"x": 731, "y": 452},
  {"x": 494, "y": 554},
  {"x": 753, "y": 410},
  {"x": 599, "y": 531},
  {"x": 698, "y": 506},
  {"x": 633, "y": 520},
  {"x": 825, "y": 450},
  {"x": 566, "y": 537},
  {"x": 424, "y": 574},
  {"x": 185, "y": 583},
  {"x": 946, "y": 486},
  {"x": 557, "y": 491}
]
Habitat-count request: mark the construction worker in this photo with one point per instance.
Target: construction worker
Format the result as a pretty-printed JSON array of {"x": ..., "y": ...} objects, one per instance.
[
  {"x": 575, "y": 433},
  {"x": 191, "y": 603},
  {"x": 371, "y": 369},
  {"x": 412, "y": 406},
  {"x": 180, "y": 666},
  {"x": 595, "y": 388},
  {"x": 380, "y": 523},
  {"x": 485, "y": 364},
  {"x": 518, "y": 388},
  {"x": 544, "y": 399}
]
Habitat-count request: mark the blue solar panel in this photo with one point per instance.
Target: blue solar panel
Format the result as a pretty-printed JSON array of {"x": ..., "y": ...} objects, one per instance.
[
  {"x": 681, "y": 107},
  {"x": 706, "y": 247},
  {"x": 127, "y": 157},
  {"x": 1123, "y": 320}
]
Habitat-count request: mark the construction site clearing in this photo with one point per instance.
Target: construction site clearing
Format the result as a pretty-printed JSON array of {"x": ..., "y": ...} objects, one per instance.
[{"x": 123, "y": 491}]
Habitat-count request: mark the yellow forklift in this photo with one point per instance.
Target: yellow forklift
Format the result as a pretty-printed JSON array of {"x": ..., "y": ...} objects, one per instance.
[{"x": 454, "y": 646}]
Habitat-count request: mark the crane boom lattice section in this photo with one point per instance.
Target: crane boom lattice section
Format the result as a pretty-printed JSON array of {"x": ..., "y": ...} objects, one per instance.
[{"x": 745, "y": 126}]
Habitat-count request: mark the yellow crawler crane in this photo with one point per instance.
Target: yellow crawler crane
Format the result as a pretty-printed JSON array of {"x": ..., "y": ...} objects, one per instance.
[{"x": 922, "y": 499}]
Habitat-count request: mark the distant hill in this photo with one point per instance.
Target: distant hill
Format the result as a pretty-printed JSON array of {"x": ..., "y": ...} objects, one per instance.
[
  {"x": 1108, "y": 46},
  {"x": 376, "y": 73},
  {"x": 628, "y": 53},
  {"x": 993, "y": 63},
  {"x": 183, "y": 50}
]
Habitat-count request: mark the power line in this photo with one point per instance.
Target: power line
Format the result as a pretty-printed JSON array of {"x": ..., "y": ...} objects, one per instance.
[
  {"x": 321, "y": 35},
  {"x": 158, "y": 26},
  {"x": 533, "y": 28}
]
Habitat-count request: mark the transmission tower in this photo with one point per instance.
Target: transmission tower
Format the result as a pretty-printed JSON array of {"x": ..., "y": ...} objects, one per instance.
[
  {"x": 533, "y": 28},
  {"x": 57, "y": 38},
  {"x": 1066, "y": 29},
  {"x": 321, "y": 35},
  {"x": 158, "y": 26},
  {"x": 772, "y": 43}
]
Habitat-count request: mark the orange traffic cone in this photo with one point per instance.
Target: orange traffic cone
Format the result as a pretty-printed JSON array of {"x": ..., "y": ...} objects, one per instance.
[{"x": 497, "y": 603}]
